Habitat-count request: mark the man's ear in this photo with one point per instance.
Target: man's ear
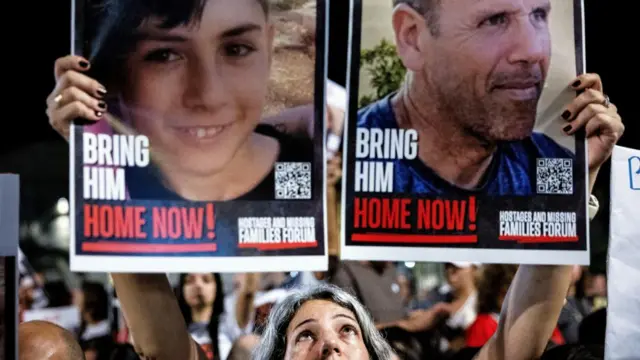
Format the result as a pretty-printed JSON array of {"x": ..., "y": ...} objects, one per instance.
[
  {"x": 408, "y": 27},
  {"x": 271, "y": 33}
]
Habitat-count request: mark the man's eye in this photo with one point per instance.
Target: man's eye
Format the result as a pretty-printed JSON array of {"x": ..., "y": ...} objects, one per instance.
[
  {"x": 495, "y": 20},
  {"x": 161, "y": 56},
  {"x": 541, "y": 15}
]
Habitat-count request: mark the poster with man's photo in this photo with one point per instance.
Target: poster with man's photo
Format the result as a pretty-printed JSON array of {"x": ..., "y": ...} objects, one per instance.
[
  {"x": 457, "y": 141},
  {"x": 206, "y": 149}
]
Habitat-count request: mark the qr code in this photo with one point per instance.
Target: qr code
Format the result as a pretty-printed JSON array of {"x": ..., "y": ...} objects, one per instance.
[
  {"x": 293, "y": 181},
  {"x": 554, "y": 176}
]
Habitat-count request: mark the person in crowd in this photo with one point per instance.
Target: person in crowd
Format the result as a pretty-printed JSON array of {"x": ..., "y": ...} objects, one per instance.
[
  {"x": 321, "y": 323},
  {"x": 193, "y": 91},
  {"x": 492, "y": 284},
  {"x": 202, "y": 304},
  {"x": 450, "y": 313},
  {"x": 476, "y": 71},
  {"x": 124, "y": 352},
  {"x": 374, "y": 285},
  {"x": 575, "y": 352},
  {"x": 576, "y": 308},
  {"x": 41, "y": 340},
  {"x": 593, "y": 328},
  {"x": 463, "y": 296},
  {"x": 96, "y": 335},
  {"x": 406, "y": 282}
]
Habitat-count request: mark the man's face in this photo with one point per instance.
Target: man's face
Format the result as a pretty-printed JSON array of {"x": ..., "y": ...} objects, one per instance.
[{"x": 487, "y": 64}]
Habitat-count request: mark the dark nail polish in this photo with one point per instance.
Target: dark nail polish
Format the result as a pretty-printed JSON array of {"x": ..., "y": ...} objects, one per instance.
[
  {"x": 99, "y": 114},
  {"x": 102, "y": 105},
  {"x": 567, "y": 128},
  {"x": 576, "y": 83},
  {"x": 101, "y": 92},
  {"x": 84, "y": 64},
  {"x": 566, "y": 115}
]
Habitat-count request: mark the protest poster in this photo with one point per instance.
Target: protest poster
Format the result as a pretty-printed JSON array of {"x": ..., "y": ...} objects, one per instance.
[
  {"x": 623, "y": 308},
  {"x": 209, "y": 153},
  {"x": 456, "y": 149}
]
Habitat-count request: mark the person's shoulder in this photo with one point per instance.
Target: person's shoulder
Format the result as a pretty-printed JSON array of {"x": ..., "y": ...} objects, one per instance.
[
  {"x": 548, "y": 147},
  {"x": 375, "y": 114}
]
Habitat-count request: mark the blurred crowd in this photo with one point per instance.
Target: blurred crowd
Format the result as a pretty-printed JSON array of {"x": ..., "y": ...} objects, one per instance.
[{"x": 226, "y": 314}]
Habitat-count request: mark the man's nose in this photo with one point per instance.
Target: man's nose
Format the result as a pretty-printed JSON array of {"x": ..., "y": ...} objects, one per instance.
[
  {"x": 205, "y": 87},
  {"x": 530, "y": 42}
]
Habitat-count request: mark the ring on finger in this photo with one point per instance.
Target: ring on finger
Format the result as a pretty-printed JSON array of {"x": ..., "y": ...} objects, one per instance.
[
  {"x": 57, "y": 99},
  {"x": 607, "y": 101}
]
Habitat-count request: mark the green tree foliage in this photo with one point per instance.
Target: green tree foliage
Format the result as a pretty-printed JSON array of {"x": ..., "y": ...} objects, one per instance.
[{"x": 385, "y": 69}]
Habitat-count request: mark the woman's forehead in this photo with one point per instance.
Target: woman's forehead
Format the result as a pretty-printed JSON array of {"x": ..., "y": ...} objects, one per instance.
[{"x": 318, "y": 310}]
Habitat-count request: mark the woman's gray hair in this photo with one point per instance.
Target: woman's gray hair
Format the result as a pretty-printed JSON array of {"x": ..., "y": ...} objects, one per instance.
[{"x": 274, "y": 339}]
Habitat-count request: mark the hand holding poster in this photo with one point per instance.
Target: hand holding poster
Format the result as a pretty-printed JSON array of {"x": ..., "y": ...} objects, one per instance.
[
  {"x": 194, "y": 152},
  {"x": 458, "y": 145},
  {"x": 623, "y": 330}
]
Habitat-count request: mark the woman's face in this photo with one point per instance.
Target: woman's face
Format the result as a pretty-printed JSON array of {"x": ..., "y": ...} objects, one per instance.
[
  {"x": 199, "y": 290},
  {"x": 198, "y": 92},
  {"x": 322, "y": 329}
]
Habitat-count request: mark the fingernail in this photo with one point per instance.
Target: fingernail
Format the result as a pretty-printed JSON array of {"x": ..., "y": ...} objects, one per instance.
[
  {"x": 567, "y": 128},
  {"x": 576, "y": 83},
  {"x": 84, "y": 64},
  {"x": 566, "y": 114},
  {"x": 102, "y": 92},
  {"x": 99, "y": 113},
  {"x": 102, "y": 105}
]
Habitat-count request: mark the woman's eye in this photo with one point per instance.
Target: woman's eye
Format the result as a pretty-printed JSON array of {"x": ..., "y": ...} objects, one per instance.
[
  {"x": 305, "y": 335},
  {"x": 161, "y": 56},
  {"x": 238, "y": 50},
  {"x": 349, "y": 330}
]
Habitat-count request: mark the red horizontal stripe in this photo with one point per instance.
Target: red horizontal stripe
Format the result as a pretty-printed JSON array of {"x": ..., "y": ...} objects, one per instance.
[
  {"x": 415, "y": 238},
  {"x": 277, "y": 246},
  {"x": 539, "y": 239},
  {"x": 118, "y": 247}
]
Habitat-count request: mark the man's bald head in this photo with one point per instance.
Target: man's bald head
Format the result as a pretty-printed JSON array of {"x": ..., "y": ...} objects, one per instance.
[{"x": 42, "y": 340}]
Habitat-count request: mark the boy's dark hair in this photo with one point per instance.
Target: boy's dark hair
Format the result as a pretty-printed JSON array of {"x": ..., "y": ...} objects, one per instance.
[
  {"x": 574, "y": 352},
  {"x": 108, "y": 27}
]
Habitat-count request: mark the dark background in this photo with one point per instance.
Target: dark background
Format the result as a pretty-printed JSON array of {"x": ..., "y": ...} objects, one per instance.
[{"x": 29, "y": 147}]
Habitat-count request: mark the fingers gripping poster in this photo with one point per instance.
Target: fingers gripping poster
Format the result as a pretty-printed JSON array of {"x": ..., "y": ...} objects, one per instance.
[
  {"x": 456, "y": 149},
  {"x": 208, "y": 155}
]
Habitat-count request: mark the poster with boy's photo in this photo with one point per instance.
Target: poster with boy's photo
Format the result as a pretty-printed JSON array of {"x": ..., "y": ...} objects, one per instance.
[
  {"x": 459, "y": 147},
  {"x": 193, "y": 159}
]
